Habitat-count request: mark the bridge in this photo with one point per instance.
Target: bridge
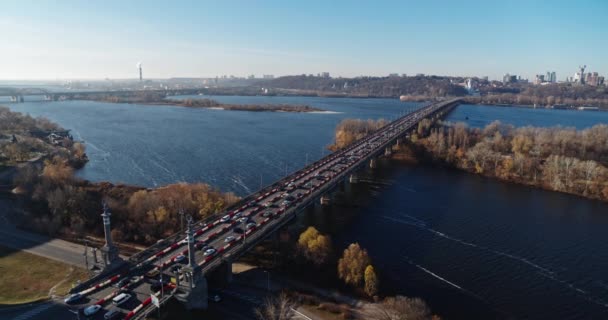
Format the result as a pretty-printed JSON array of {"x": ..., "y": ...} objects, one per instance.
[
  {"x": 210, "y": 247},
  {"x": 18, "y": 95}
]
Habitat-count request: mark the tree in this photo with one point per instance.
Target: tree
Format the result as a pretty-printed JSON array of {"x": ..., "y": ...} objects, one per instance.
[
  {"x": 371, "y": 281},
  {"x": 399, "y": 308},
  {"x": 314, "y": 246},
  {"x": 276, "y": 308},
  {"x": 351, "y": 266}
]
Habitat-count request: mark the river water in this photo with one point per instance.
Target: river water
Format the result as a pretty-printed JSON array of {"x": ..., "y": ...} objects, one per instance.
[{"x": 471, "y": 247}]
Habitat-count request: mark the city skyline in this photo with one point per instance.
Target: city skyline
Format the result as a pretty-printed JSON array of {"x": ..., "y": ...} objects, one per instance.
[{"x": 74, "y": 40}]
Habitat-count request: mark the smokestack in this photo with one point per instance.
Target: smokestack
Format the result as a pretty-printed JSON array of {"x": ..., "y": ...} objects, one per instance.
[{"x": 140, "y": 74}]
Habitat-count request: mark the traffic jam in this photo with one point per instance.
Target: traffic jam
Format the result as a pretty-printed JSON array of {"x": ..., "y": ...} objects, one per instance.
[{"x": 125, "y": 295}]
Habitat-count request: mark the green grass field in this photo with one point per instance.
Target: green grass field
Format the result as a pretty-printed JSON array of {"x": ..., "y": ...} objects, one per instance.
[{"x": 26, "y": 277}]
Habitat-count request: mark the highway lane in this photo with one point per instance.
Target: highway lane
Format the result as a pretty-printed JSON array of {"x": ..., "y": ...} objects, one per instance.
[{"x": 281, "y": 198}]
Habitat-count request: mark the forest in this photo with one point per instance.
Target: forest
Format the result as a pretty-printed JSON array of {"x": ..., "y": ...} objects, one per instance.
[{"x": 557, "y": 158}]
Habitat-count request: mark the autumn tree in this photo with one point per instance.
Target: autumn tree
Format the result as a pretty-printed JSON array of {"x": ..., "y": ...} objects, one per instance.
[
  {"x": 314, "y": 246},
  {"x": 371, "y": 281},
  {"x": 351, "y": 266}
]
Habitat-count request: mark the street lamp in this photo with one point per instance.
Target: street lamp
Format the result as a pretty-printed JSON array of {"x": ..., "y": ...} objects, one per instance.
[{"x": 181, "y": 215}]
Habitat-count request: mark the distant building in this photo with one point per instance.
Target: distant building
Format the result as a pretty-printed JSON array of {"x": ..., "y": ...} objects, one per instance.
[
  {"x": 325, "y": 75},
  {"x": 509, "y": 78},
  {"x": 268, "y": 76},
  {"x": 251, "y": 76},
  {"x": 551, "y": 77},
  {"x": 540, "y": 78},
  {"x": 393, "y": 75}
]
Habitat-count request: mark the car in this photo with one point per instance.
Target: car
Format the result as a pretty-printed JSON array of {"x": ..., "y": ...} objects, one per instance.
[
  {"x": 112, "y": 314},
  {"x": 237, "y": 230},
  {"x": 209, "y": 252},
  {"x": 285, "y": 203},
  {"x": 176, "y": 268},
  {"x": 237, "y": 216},
  {"x": 267, "y": 214},
  {"x": 225, "y": 218},
  {"x": 180, "y": 258},
  {"x": 200, "y": 244},
  {"x": 268, "y": 204},
  {"x": 73, "y": 298},
  {"x": 121, "y": 298},
  {"x": 152, "y": 273},
  {"x": 251, "y": 225},
  {"x": 157, "y": 285},
  {"x": 91, "y": 310},
  {"x": 215, "y": 298},
  {"x": 229, "y": 239},
  {"x": 251, "y": 203},
  {"x": 122, "y": 283},
  {"x": 243, "y": 219}
]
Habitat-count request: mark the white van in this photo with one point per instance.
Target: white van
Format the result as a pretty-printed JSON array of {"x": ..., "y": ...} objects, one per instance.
[{"x": 121, "y": 298}]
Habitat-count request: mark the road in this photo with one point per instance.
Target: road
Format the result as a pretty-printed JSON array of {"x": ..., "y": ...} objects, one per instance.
[{"x": 18, "y": 239}]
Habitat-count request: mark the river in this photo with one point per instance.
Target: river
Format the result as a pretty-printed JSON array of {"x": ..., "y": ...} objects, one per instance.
[{"x": 471, "y": 247}]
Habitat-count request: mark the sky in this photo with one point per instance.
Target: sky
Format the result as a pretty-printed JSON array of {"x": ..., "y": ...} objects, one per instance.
[{"x": 61, "y": 39}]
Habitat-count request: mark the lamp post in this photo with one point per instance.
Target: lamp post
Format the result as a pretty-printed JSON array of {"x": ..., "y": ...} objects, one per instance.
[{"x": 181, "y": 215}]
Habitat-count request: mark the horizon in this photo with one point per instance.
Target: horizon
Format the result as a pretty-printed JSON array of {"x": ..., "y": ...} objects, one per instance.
[{"x": 46, "y": 41}]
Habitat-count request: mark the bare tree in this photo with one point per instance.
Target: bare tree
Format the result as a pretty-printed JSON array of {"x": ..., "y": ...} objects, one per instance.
[
  {"x": 276, "y": 308},
  {"x": 399, "y": 308}
]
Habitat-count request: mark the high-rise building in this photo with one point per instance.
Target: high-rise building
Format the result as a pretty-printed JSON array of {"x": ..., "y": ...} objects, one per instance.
[
  {"x": 540, "y": 78},
  {"x": 509, "y": 78},
  {"x": 325, "y": 74},
  {"x": 551, "y": 77}
]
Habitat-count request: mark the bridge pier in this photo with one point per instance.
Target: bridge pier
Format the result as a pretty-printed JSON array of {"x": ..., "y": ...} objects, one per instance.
[
  {"x": 17, "y": 99},
  {"x": 353, "y": 178},
  {"x": 325, "y": 199},
  {"x": 388, "y": 151},
  {"x": 373, "y": 163}
]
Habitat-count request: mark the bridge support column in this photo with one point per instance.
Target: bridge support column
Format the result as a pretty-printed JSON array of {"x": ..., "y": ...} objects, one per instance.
[
  {"x": 388, "y": 151},
  {"x": 353, "y": 178},
  {"x": 373, "y": 163},
  {"x": 325, "y": 199},
  {"x": 17, "y": 99},
  {"x": 192, "y": 291}
]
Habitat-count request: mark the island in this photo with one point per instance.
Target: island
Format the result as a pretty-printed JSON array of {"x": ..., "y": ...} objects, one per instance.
[{"x": 155, "y": 98}]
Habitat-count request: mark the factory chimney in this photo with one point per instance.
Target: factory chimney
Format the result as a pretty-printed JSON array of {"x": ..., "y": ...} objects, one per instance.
[{"x": 140, "y": 74}]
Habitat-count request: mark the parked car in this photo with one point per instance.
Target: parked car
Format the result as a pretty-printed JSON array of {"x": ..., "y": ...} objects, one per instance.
[
  {"x": 267, "y": 214},
  {"x": 215, "y": 298},
  {"x": 225, "y": 218},
  {"x": 251, "y": 225},
  {"x": 229, "y": 239}
]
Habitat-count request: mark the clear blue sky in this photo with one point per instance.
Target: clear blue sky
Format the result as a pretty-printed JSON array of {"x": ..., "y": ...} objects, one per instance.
[{"x": 98, "y": 39}]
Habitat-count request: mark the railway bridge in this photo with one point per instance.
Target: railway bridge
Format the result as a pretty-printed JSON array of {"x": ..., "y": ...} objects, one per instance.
[{"x": 210, "y": 247}]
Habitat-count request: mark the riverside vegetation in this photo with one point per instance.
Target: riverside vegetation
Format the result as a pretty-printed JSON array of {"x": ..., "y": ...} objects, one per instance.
[{"x": 559, "y": 159}]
